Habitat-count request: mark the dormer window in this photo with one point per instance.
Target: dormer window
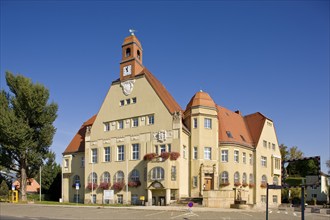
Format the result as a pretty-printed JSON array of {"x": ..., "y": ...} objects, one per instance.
[
  {"x": 138, "y": 55},
  {"x": 128, "y": 52}
]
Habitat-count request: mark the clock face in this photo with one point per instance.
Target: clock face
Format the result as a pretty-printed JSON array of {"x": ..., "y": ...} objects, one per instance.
[{"x": 127, "y": 70}]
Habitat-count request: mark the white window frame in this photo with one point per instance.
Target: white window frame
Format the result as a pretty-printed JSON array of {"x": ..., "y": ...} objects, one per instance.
[
  {"x": 195, "y": 153},
  {"x": 120, "y": 152},
  {"x": 120, "y": 124},
  {"x": 107, "y": 155},
  {"x": 244, "y": 157},
  {"x": 135, "y": 122},
  {"x": 135, "y": 151},
  {"x": 224, "y": 155},
  {"x": 207, "y": 153},
  {"x": 263, "y": 161},
  {"x": 94, "y": 155},
  {"x": 236, "y": 156},
  {"x": 195, "y": 122},
  {"x": 208, "y": 123},
  {"x": 158, "y": 173},
  {"x": 106, "y": 126},
  {"x": 151, "y": 119}
]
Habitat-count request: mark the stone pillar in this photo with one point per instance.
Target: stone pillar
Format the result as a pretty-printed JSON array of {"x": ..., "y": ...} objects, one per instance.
[
  {"x": 168, "y": 196},
  {"x": 149, "y": 203}
]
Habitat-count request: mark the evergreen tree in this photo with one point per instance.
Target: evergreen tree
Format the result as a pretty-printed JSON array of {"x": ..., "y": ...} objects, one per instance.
[
  {"x": 49, "y": 172},
  {"x": 26, "y": 127},
  {"x": 4, "y": 189}
]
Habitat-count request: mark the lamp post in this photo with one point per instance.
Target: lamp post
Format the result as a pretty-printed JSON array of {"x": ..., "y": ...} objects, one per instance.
[
  {"x": 127, "y": 178},
  {"x": 62, "y": 191},
  {"x": 92, "y": 180},
  {"x": 40, "y": 185}
]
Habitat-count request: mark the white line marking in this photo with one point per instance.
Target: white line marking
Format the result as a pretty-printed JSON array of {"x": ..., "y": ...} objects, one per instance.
[
  {"x": 156, "y": 213},
  {"x": 247, "y": 214},
  {"x": 294, "y": 214},
  {"x": 286, "y": 213}
]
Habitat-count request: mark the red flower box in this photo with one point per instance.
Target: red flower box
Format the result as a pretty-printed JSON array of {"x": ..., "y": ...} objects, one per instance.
[
  {"x": 263, "y": 185},
  {"x": 134, "y": 183},
  {"x": 174, "y": 155},
  {"x": 251, "y": 185},
  {"x": 149, "y": 156},
  {"x": 165, "y": 155},
  {"x": 90, "y": 185},
  {"x": 237, "y": 184},
  {"x": 118, "y": 185},
  {"x": 245, "y": 184},
  {"x": 104, "y": 185},
  {"x": 224, "y": 184}
]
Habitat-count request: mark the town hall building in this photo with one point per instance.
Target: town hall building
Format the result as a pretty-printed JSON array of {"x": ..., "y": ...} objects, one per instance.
[{"x": 143, "y": 148}]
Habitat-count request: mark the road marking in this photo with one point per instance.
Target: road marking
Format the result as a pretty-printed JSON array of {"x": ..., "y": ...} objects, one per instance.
[
  {"x": 186, "y": 214},
  {"x": 247, "y": 214},
  {"x": 294, "y": 214},
  {"x": 278, "y": 212},
  {"x": 270, "y": 211},
  {"x": 156, "y": 213},
  {"x": 286, "y": 213}
]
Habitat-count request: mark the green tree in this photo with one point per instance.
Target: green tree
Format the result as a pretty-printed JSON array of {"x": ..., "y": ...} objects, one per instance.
[
  {"x": 284, "y": 152},
  {"x": 26, "y": 127},
  {"x": 327, "y": 163},
  {"x": 49, "y": 172},
  {"x": 4, "y": 188}
]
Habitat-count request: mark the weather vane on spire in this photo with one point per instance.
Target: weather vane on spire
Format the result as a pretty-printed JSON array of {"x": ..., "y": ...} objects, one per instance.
[{"x": 132, "y": 31}]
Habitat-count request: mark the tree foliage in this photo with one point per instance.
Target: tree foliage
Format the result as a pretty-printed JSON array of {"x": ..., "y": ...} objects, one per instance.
[
  {"x": 26, "y": 126},
  {"x": 49, "y": 172},
  {"x": 4, "y": 189}
]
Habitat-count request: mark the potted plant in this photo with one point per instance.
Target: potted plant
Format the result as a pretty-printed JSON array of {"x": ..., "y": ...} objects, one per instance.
[
  {"x": 224, "y": 184},
  {"x": 134, "y": 183},
  {"x": 118, "y": 185},
  {"x": 251, "y": 185},
  {"x": 91, "y": 186},
  {"x": 237, "y": 184},
  {"x": 244, "y": 184},
  {"x": 149, "y": 156},
  {"x": 263, "y": 185},
  {"x": 174, "y": 155},
  {"x": 165, "y": 155},
  {"x": 104, "y": 185}
]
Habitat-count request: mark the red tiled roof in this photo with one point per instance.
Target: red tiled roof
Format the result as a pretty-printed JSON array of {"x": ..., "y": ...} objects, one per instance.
[
  {"x": 161, "y": 91},
  {"x": 255, "y": 123},
  {"x": 235, "y": 124},
  {"x": 77, "y": 144},
  {"x": 201, "y": 99}
]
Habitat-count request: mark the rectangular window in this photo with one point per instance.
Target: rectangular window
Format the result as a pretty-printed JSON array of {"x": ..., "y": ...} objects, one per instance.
[
  {"x": 269, "y": 145},
  {"x": 195, "y": 122},
  {"x": 134, "y": 100},
  {"x": 135, "y": 199},
  {"x": 251, "y": 159},
  {"x": 107, "y": 126},
  {"x": 244, "y": 157},
  {"x": 229, "y": 134},
  {"x": 224, "y": 155},
  {"x": 169, "y": 148},
  {"x": 264, "y": 143},
  {"x": 122, "y": 102},
  {"x": 120, "y": 124},
  {"x": 120, "y": 153},
  {"x": 207, "y": 153},
  {"x": 236, "y": 156},
  {"x": 195, "y": 154},
  {"x": 263, "y": 161},
  {"x": 66, "y": 163},
  {"x": 135, "y": 151},
  {"x": 207, "y": 123},
  {"x": 135, "y": 122},
  {"x": 195, "y": 183},
  {"x": 94, "y": 155},
  {"x": 82, "y": 162},
  {"x": 275, "y": 199},
  {"x": 151, "y": 119},
  {"x": 128, "y": 101},
  {"x": 156, "y": 149},
  {"x": 184, "y": 150},
  {"x": 277, "y": 163},
  {"x": 162, "y": 148},
  {"x": 120, "y": 199},
  {"x": 107, "y": 154},
  {"x": 263, "y": 199},
  {"x": 273, "y": 146},
  {"x": 173, "y": 173}
]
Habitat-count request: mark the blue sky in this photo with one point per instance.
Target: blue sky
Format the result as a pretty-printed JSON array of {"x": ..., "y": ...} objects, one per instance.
[{"x": 266, "y": 56}]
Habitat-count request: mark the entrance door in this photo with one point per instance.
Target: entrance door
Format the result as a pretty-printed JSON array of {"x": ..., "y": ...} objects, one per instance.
[
  {"x": 162, "y": 201},
  {"x": 207, "y": 184}
]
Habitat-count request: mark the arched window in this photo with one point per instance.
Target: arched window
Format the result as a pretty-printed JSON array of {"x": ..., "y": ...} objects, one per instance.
[
  {"x": 119, "y": 176},
  {"x": 244, "y": 180},
  {"x": 157, "y": 173},
  {"x": 275, "y": 180},
  {"x": 138, "y": 55},
  {"x": 76, "y": 179},
  {"x": 251, "y": 179},
  {"x": 236, "y": 177},
  {"x": 135, "y": 175},
  {"x": 92, "y": 178},
  {"x": 128, "y": 52},
  {"x": 224, "y": 178},
  {"x": 264, "y": 180},
  {"x": 105, "y": 178}
]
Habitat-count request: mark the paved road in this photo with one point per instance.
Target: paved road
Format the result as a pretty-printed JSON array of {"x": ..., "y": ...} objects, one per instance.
[{"x": 43, "y": 212}]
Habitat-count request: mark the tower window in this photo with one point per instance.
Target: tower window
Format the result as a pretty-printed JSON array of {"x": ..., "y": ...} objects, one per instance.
[
  {"x": 138, "y": 55},
  {"x": 128, "y": 52}
]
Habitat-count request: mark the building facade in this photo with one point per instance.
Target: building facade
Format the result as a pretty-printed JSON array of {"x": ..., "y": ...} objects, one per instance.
[{"x": 143, "y": 147}]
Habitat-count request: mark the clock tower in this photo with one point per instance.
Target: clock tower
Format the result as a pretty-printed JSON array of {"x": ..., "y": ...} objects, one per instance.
[{"x": 131, "y": 62}]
